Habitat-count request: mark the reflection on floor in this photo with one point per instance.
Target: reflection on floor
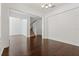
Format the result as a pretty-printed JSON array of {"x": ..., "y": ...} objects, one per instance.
[{"x": 20, "y": 46}]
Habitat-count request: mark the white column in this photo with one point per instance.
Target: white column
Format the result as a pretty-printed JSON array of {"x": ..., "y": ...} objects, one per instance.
[
  {"x": 0, "y": 20},
  {"x": 4, "y": 26},
  {"x": 28, "y": 25}
]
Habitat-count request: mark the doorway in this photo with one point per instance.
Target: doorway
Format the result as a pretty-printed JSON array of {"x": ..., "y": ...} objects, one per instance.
[
  {"x": 36, "y": 34},
  {"x": 17, "y": 33}
]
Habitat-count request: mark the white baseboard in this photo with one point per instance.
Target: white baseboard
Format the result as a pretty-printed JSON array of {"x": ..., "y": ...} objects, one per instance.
[{"x": 67, "y": 42}]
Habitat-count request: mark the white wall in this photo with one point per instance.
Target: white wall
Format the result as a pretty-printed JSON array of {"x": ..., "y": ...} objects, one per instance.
[
  {"x": 0, "y": 20},
  {"x": 17, "y": 26},
  {"x": 24, "y": 27},
  {"x": 17, "y": 23},
  {"x": 63, "y": 24}
]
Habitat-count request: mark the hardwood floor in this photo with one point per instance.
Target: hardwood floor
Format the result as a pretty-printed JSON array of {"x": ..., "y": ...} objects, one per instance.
[
  {"x": 5, "y": 52},
  {"x": 21, "y": 46}
]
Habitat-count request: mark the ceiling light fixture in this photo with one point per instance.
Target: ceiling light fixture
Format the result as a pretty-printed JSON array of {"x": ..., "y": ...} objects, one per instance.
[{"x": 47, "y": 5}]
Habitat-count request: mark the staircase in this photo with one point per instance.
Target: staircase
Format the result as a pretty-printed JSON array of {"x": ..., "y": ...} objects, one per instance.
[{"x": 32, "y": 34}]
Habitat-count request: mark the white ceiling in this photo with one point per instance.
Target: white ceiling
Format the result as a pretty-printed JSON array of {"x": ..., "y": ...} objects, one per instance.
[
  {"x": 34, "y": 8},
  {"x": 37, "y": 7}
]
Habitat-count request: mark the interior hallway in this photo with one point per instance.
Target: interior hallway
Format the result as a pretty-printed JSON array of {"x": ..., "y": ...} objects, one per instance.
[{"x": 35, "y": 46}]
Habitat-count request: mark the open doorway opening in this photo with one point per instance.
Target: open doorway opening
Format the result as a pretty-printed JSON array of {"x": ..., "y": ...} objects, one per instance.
[
  {"x": 17, "y": 33},
  {"x": 35, "y": 26},
  {"x": 36, "y": 34}
]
